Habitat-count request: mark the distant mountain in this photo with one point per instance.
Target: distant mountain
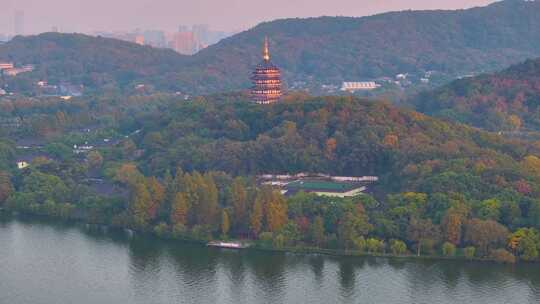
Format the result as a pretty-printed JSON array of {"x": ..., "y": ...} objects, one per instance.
[
  {"x": 504, "y": 101},
  {"x": 94, "y": 61},
  {"x": 319, "y": 50}
]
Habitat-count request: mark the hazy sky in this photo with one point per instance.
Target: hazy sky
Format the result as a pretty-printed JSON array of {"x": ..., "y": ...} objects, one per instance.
[{"x": 91, "y": 15}]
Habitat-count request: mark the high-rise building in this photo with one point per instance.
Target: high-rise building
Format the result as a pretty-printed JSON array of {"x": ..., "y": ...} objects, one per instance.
[
  {"x": 202, "y": 32},
  {"x": 18, "y": 23},
  {"x": 155, "y": 38},
  {"x": 266, "y": 80},
  {"x": 185, "y": 43},
  {"x": 139, "y": 39}
]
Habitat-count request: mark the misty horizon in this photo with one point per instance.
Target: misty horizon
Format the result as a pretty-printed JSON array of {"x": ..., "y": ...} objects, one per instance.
[{"x": 33, "y": 16}]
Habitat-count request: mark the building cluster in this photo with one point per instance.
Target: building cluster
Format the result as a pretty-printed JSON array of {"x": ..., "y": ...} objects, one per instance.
[
  {"x": 186, "y": 40},
  {"x": 9, "y": 69},
  {"x": 319, "y": 184},
  {"x": 64, "y": 90}
]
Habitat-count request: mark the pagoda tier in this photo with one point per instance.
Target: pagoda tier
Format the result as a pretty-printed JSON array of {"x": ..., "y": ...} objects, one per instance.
[{"x": 266, "y": 80}]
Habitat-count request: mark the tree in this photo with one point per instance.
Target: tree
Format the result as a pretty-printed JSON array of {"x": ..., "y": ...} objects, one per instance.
[
  {"x": 140, "y": 204},
  {"x": 352, "y": 227},
  {"x": 276, "y": 212},
  {"x": 128, "y": 174},
  {"x": 525, "y": 243},
  {"x": 485, "y": 235},
  {"x": 203, "y": 196},
  {"x": 490, "y": 210},
  {"x": 239, "y": 203},
  {"x": 256, "y": 218},
  {"x": 317, "y": 231},
  {"x": 225, "y": 223},
  {"x": 451, "y": 225},
  {"x": 95, "y": 159},
  {"x": 6, "y": 188},
  {"x": 290, "y": 233},
  {"x": 531, "y": 164},
  {"x": 421, "y": 231},
  {"x": 180, "y": 209},
  {"x": 157, "y": 196}
]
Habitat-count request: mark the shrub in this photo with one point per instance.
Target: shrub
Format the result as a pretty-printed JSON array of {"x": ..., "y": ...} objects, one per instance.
[
  {"x": 266, "y": 239},
  {"x": 360, "y": 244},
  {"x": 162, "y": 230},
  {"x": 279, "y": 241},
  {"x": 375, "y": 245},
  {"x": 398, "y": 247},
  {"x": 503, "y": 256},
  {"x": 469, "y": 252},
  {"x": 202, "y": 232},
  {"x": 179, "y": 231},
  {"x": 449, "y": 249}
]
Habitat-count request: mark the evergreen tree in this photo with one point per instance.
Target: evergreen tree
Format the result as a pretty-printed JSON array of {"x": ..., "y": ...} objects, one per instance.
[
  {"x": 256, "y": 219},
  {"x": 225, "y": 223},
  {"x": 180, "y": 209}
]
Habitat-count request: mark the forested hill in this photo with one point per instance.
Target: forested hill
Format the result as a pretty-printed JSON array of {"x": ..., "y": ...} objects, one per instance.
[
  {"x": 324, "y": 50},
  {"x": 504, "y": 101},
  {"x": 442, "y": 185},
  {"x": 93, "y": 61}
]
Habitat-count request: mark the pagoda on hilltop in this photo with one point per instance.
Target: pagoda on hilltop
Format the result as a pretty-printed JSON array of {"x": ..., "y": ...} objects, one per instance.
[{"x": 266, "y": 80}]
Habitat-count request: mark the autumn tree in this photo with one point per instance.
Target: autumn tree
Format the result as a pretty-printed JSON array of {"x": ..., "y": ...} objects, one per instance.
[
  {"x": 157, "y": 196},
  {"x": 276, "y": 212},
  {"x": 139, "y": 205},
  {"x": 452, "y": 224},
  {"x": 422, "y": 231},
  {"x": 128, "y": 174},
  {"x": 485, "y": 235},
  {"x": 95, "y": 159},
  {"x": 525, "y": 243}
]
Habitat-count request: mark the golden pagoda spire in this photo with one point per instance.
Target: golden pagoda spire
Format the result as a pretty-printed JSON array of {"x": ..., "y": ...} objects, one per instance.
[{"x": 266, "y": 51}]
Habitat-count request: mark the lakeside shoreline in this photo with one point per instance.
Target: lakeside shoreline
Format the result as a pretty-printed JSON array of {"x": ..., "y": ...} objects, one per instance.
[{"x": 255, "y": 247}]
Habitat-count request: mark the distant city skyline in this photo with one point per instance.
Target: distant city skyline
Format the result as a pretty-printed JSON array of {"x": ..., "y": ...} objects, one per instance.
[{"x": 89, "y": 16}]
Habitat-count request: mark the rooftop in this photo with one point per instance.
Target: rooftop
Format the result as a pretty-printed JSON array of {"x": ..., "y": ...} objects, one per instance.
[{"x": 322, "y": 186}]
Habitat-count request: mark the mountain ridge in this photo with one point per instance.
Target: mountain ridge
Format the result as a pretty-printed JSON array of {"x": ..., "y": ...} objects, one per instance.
[{"x": 313, "y": 50}]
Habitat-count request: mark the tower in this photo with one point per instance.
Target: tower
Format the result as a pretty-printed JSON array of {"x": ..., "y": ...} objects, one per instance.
[{"x": 266, "y": 80}]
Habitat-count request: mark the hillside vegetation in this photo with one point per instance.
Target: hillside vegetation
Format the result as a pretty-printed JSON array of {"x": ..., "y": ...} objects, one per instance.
[
  {"x": 316, "y": 50},
  {"x": 504, "y": 101},
  {"x": 186, "y": 169}
]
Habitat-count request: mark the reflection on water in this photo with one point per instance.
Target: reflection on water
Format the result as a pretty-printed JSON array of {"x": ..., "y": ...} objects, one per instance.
[{"x": 81, "y": 264}]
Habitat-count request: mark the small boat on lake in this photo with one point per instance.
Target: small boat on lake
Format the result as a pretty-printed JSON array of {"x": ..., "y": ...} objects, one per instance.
[{"x": 229, "y": 245}]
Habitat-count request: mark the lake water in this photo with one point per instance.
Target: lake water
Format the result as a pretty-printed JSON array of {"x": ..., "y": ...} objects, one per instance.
[{"x": 45, "y": 263}]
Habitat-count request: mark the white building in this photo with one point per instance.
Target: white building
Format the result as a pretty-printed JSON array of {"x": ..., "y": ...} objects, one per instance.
[
  {"x": 359, "y": 86},
  {"x": 22, "y": 165}
]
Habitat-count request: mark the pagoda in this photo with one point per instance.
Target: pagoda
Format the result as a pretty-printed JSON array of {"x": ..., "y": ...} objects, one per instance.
[{"x": 266, "y": 80}]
